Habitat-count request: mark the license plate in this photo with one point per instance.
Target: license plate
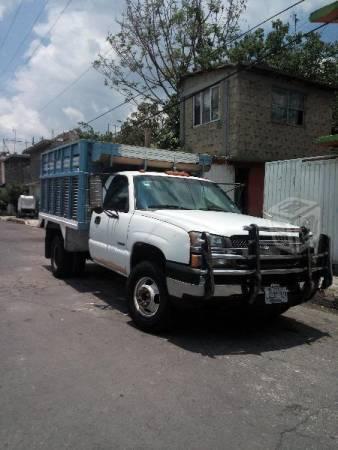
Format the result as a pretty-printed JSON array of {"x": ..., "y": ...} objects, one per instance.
[{"x": 275, "y": 294}]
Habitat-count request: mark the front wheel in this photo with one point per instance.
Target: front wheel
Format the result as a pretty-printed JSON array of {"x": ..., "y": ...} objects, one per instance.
[{"x": 148, "y": 300}]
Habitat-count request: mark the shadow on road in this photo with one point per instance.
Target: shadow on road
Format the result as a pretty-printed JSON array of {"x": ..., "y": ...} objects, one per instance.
[{"x": 207, "y": 331}]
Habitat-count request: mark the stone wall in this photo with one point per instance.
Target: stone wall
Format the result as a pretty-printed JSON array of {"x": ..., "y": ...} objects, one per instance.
[
  {"x": 255, "y": 137},
  {"x": 245, "y": 131},
  {"x": 15, "y": 169},
  {"x": 210, "y": 137}
]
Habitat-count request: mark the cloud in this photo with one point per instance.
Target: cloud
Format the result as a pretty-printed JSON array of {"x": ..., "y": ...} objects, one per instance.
[
  {"x": 258, "y": 10},
  {"x": 68, "y": 51},
  {"x": 74, "y": 114}
]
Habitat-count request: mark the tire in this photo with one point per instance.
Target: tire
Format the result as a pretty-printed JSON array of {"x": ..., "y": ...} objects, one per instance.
[
  {"x": 61, "y": 260},
  {"x": 148, "y": 300},
  {"x": 78, "y": 264}
]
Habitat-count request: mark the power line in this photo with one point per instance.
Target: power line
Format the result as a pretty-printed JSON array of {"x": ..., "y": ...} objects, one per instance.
[
  {"x": 235, "y": 72},
  {"x": 90, "y": 67},
  {"x": 77, "y": 79},
  {"x": 266, "y": 20},
  {"x": 242, "y": 68},
  {"x": 11, "y": 25},
  {"x": 26, "y": 36},
  {"x": 49, "y": 31},
  {"x": 115, "y": 107}
]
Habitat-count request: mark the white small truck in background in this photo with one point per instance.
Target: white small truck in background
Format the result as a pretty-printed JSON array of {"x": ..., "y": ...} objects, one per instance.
[
  {"x": 26, "y": 206},
  {"x": 138, "y": 212}
]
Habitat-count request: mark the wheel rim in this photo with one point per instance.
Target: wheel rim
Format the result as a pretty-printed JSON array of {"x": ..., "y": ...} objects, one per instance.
[{"x": 147, "y": 297}]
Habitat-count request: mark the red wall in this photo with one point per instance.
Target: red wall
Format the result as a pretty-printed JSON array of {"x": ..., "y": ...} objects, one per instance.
[{"x": 255, "y": 190}]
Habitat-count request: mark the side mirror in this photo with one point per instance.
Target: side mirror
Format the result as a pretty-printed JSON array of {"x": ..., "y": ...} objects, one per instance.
[
  {"x": 98, "y": 210},
  {"x": 95, "y": 194}
]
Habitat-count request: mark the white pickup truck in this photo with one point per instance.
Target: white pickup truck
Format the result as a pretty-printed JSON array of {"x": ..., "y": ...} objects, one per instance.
[{"x": 178, "y": 237}]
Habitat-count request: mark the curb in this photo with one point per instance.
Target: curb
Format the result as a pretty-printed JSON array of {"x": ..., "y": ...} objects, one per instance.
[
  {"x": 16, "y": 220},
  {"x": 29, "y": 222},
  {"x": 328, "y": 303}
]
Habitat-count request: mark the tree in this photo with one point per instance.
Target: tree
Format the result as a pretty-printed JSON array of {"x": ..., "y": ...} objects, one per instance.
[
  {"x": 161, "y": 40},
  {"x": 87, "y": 132},
  {"x": 305, "y": 55}
]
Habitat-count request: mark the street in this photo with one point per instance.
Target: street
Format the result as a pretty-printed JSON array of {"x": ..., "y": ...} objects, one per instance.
[{"x": 75, "y": 373}]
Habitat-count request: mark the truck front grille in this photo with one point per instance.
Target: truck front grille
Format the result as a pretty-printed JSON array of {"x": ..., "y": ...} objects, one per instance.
[{"x": 271, "y": 245}]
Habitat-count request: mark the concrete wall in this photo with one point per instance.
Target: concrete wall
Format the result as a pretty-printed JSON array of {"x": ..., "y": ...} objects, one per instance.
[
  {"x": 245, "y": 131},
  {"x": 15, "y": 169},
  {"x": 253, "y": 134},
  {"x": 222, "y": 173},
  {"x": 210, "y": 137}
]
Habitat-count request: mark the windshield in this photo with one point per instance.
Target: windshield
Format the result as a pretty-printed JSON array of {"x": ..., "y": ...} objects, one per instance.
[{"x": 157, "y": 192}]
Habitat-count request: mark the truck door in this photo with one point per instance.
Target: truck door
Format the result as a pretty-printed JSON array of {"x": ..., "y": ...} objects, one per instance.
[
  {"x": 98, "y": 237},
  {"x": 100, "y": 225},
  {"x": 118, "y": 205}
]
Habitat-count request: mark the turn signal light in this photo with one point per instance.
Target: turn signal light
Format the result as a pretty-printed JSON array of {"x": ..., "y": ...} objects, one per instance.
[{"x": 196, "y": 261}]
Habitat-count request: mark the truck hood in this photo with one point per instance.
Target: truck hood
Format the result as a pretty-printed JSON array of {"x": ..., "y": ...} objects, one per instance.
[{"x": 215, "y": 222}]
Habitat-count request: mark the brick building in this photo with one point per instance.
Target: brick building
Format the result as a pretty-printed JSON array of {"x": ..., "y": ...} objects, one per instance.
[{"x": 257, "y": 114}]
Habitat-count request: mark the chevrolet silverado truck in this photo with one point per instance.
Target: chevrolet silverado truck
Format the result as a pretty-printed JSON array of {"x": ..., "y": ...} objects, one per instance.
[{"x": 173, "y": 236}]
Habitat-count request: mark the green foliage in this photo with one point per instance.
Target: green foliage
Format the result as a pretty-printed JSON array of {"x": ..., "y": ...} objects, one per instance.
[
  {"x": 3, "y": 199},
  {"x": 10, "y": 195},
  {"x": 87, "y": 132},
  {"x": 161, "y": 40}
]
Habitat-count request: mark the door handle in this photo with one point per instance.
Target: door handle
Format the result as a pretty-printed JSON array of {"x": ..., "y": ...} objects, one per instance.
[{"x": 97, "y": 220}]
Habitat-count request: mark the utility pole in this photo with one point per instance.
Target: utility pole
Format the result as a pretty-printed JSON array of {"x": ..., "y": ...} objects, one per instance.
[
  {"x": 147, "y": 137},
  {"x": 295, "y": 20}
]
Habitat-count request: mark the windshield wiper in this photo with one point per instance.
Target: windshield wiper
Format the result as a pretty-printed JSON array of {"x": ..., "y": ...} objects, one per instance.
[
  {"x": 166, "y": 207},
  {"x": 213, "y": 209}
]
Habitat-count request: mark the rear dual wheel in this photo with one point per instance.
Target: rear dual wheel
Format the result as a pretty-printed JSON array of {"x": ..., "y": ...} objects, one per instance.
[{"x": 65, "y": 264}]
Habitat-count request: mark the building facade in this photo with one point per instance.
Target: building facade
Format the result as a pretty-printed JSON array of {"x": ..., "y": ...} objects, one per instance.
[
  {"x": 12, "y": 169},
  {"x": 246, "y": 117}
]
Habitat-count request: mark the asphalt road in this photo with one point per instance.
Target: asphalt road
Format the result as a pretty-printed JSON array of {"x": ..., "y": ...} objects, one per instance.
[{"x": 75, "y": 373}]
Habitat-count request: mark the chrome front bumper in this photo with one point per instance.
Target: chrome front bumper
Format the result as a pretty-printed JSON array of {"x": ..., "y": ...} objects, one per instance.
[
  {"x": 209, "y": 282},
  {"x": 180, "y": 289}
]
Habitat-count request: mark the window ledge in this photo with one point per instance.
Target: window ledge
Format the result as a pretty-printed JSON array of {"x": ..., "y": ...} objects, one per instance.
[{"x": 206, "y": 123}]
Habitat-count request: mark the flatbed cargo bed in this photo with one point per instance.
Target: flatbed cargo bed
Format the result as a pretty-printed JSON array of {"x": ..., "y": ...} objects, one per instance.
[{"x": 65, "y": 173}]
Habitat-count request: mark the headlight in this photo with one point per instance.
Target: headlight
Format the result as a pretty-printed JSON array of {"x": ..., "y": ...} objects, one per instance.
[{"x": 196, "y": 241}]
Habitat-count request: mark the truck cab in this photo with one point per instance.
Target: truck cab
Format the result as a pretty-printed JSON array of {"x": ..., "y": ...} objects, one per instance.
[{"x": 177, "y": 237}]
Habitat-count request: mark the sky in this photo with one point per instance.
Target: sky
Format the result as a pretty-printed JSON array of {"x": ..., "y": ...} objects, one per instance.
[{"x": 40, "y": 60}]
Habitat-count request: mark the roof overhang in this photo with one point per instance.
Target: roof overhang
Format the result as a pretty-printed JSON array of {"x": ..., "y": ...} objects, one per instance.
[{"x": 326, "y": 14}]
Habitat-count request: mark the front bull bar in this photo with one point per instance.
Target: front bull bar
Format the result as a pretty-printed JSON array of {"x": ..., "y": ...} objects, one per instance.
[{"x": 253, "y": 259}]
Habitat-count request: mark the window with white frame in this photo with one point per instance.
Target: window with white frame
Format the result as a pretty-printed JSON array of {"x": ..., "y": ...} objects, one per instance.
[
  {"x": 287, "y": 106},
  {"x": 206, "y": 106}
]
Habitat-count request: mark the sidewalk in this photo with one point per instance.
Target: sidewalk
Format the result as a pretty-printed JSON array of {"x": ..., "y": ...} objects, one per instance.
[
  {"x": 30, "y": 222},
  {"x": 329, "y": 297}
]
